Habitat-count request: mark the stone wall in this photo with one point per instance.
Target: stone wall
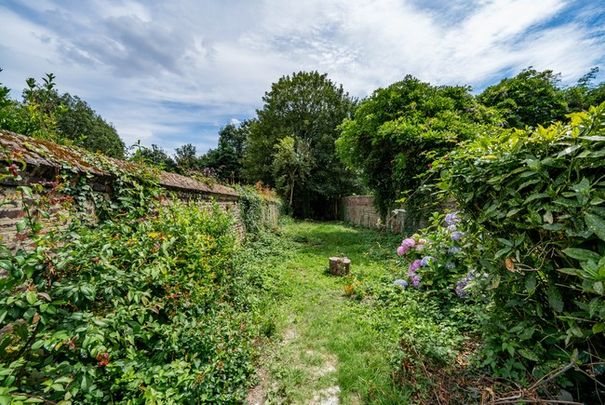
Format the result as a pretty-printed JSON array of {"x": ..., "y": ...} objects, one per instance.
[{"x": 45, "y": 160}]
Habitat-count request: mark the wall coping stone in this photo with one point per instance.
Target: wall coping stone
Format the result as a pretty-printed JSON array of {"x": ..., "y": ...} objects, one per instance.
[{"x": 48, "y": 155}]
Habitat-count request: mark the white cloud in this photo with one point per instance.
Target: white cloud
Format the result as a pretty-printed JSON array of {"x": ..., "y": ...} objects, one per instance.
[{"x": 167, "y": 72}]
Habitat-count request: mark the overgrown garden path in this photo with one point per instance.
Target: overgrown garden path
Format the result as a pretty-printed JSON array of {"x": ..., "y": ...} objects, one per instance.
[{"x": 328, "y": 347}]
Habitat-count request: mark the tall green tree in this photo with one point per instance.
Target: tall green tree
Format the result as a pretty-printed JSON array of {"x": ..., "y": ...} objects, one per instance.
[
  {"x": 154, "y": 156},
  {"x": 308, "y": 107},
  {"x": 585, "y": 94},
  {"x": 292, "y": 162},
  {"x": 77, "y": 121},
  {"x": 44, "y": 113},
  {"x": 186, "y": 158},
  {"x": 399, "y": 130},
  {"x": 227, "y": 159},
  {"x": 531, "y": 98}
]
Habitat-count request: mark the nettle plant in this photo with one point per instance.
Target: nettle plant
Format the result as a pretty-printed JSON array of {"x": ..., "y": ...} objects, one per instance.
[
  {"x": 539, "y": 198},
  {"x": 139, "y": 307}
]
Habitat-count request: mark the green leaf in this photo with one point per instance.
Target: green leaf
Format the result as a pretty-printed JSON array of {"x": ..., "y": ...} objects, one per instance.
[
  {"x": 31, "y": 297},
  {"x": 582, "y": 254},
  {"x": 528, "y": 355},
  {"x": 598, "y": 287},
  {"x": 530, "y": 283},
  {"x": 598, "y": 327},
  {"x": 595, "y": 224},
  {"x": 554, "y": 299}
]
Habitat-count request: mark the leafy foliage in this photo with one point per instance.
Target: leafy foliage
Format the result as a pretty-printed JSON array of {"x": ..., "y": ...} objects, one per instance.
[
  {"x": 397, "y": 132},
  {"x": 144, "y": 307},
  {"x": 291, "y": 165},
  {"x": 308, "y": 107},
  {"x": 531, "y": 98},
  {"x": 537, "y": 197},
  {"x": 227, "y": 159},
  {"x": 46, "y": 114}
]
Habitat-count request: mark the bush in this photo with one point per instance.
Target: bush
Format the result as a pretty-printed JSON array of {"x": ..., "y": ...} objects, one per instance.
[
  {"x": 537, "y": 198},
  {"x": 135, "y": 309}
]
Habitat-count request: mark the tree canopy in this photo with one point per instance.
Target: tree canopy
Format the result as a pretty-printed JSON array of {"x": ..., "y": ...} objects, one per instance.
[
  {"x": 308, "y": 107},
  {"x": 397, "y": 131},
  {"x": 531, "y": 98},
  {"x": 46, "y": 114}
]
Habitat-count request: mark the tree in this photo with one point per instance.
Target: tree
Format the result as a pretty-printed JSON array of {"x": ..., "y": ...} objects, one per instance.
[
  {"x": 154, "y": 156},
  {"x": 186, "y": 158},
  {"x": 584, "y": 94},
  {"x": 79, "y": 123},
  {"x": 531, "y": 98},
  {"x": 67, "y": 119},
  {"x": 308, "y": 107},
  {"x": 226, "y": 159},
  {"x": 399, "y": 130},
  {"x": 292, "y": 163}
]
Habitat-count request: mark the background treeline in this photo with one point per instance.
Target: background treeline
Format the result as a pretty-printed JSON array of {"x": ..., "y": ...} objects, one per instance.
[{"x": 315, "y": 143}]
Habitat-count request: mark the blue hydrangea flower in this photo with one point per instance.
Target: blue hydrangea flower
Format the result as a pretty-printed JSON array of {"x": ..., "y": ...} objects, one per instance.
[
  {"x": 453, "y": 250},
  {"x": 426, "y": 260},
  {"x": 461, "y": 285},
  {"x": 401, "y": 283},
  {"x": 452, "y": 218},
  {"x": 457, "y": 235}
]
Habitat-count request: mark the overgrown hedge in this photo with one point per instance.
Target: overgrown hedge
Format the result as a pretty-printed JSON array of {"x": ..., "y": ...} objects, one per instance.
[
  {"x": 537, "y": 200},
  {"x": 145, "y": 307}
]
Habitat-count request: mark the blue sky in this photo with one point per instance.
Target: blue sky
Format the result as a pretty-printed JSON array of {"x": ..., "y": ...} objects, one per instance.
[{"x": 174, "y": 72}]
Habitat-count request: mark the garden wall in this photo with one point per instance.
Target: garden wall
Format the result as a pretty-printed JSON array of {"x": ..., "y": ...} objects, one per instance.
[
  {"x": 359, "y": 210},
  {"x": 45, "y": 160}
]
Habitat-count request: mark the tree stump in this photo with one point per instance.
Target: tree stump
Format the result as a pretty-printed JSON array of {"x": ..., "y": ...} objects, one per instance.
[{"x": 339, "y": 266}]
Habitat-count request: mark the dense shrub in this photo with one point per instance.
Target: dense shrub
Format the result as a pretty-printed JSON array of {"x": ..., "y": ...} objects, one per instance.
[
  {"x": 537, "y": 198},
  {"x": 145, "y": 307}
]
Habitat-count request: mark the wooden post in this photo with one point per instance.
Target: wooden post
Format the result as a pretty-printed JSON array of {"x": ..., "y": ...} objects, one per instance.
[{"x": 339, "y": 266}]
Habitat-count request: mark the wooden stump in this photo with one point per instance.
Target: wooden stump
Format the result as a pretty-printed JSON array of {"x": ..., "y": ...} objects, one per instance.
[{"x": 339, "y": 266}]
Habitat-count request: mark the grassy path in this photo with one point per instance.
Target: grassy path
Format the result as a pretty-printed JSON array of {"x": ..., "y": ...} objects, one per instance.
[{"x": 332, "y": 349}]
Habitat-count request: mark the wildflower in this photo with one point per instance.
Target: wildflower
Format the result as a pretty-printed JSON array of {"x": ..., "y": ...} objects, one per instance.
[
  {"x": 453, "y": 250},
  {"x": 426, "y": 260},
  {"x": 510, "y": 265},
  {"x": 450, "y": 265},
  {"x": 452, "y": 228},
  {"x": 415, "y": 265},
  {"x": 415, "y": 278},
  {"x": 457, "y": 235},
  {"x": 419, "y": 248},
  {"x": 401, "y": 250},
  {"x": 452, "y": 218},
  {"x": 401, "y": 283}
]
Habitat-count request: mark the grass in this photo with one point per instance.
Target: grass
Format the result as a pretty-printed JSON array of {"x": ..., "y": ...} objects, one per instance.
[{"x": 327, "y": 342}]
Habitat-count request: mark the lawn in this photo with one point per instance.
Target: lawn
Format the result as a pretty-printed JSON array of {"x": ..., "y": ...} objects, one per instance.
[{"x": 325, "y": 344}]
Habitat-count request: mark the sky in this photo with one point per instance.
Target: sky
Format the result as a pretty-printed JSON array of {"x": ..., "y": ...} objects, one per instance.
[{"x": 175, "y": 72}]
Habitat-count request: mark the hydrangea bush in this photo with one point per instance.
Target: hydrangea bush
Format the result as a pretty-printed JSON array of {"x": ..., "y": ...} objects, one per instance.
[
  {"x": 438, "y": 258},
  {"x": 537, "y": 197}
]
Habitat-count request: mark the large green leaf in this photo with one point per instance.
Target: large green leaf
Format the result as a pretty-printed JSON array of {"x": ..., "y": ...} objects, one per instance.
[
  {"x": 595, "y": 224},
  {"x": 554, "y": 299},
  {"x": 582, "y": 254}
]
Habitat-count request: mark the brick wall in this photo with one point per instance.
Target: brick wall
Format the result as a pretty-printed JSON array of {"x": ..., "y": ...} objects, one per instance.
[
  {"x": 44, "y": 160},
  {"x": 359, "y": 210}
]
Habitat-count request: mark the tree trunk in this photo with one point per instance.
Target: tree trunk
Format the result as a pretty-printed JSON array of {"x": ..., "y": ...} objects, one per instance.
[{"x": 339, "y": 266}]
